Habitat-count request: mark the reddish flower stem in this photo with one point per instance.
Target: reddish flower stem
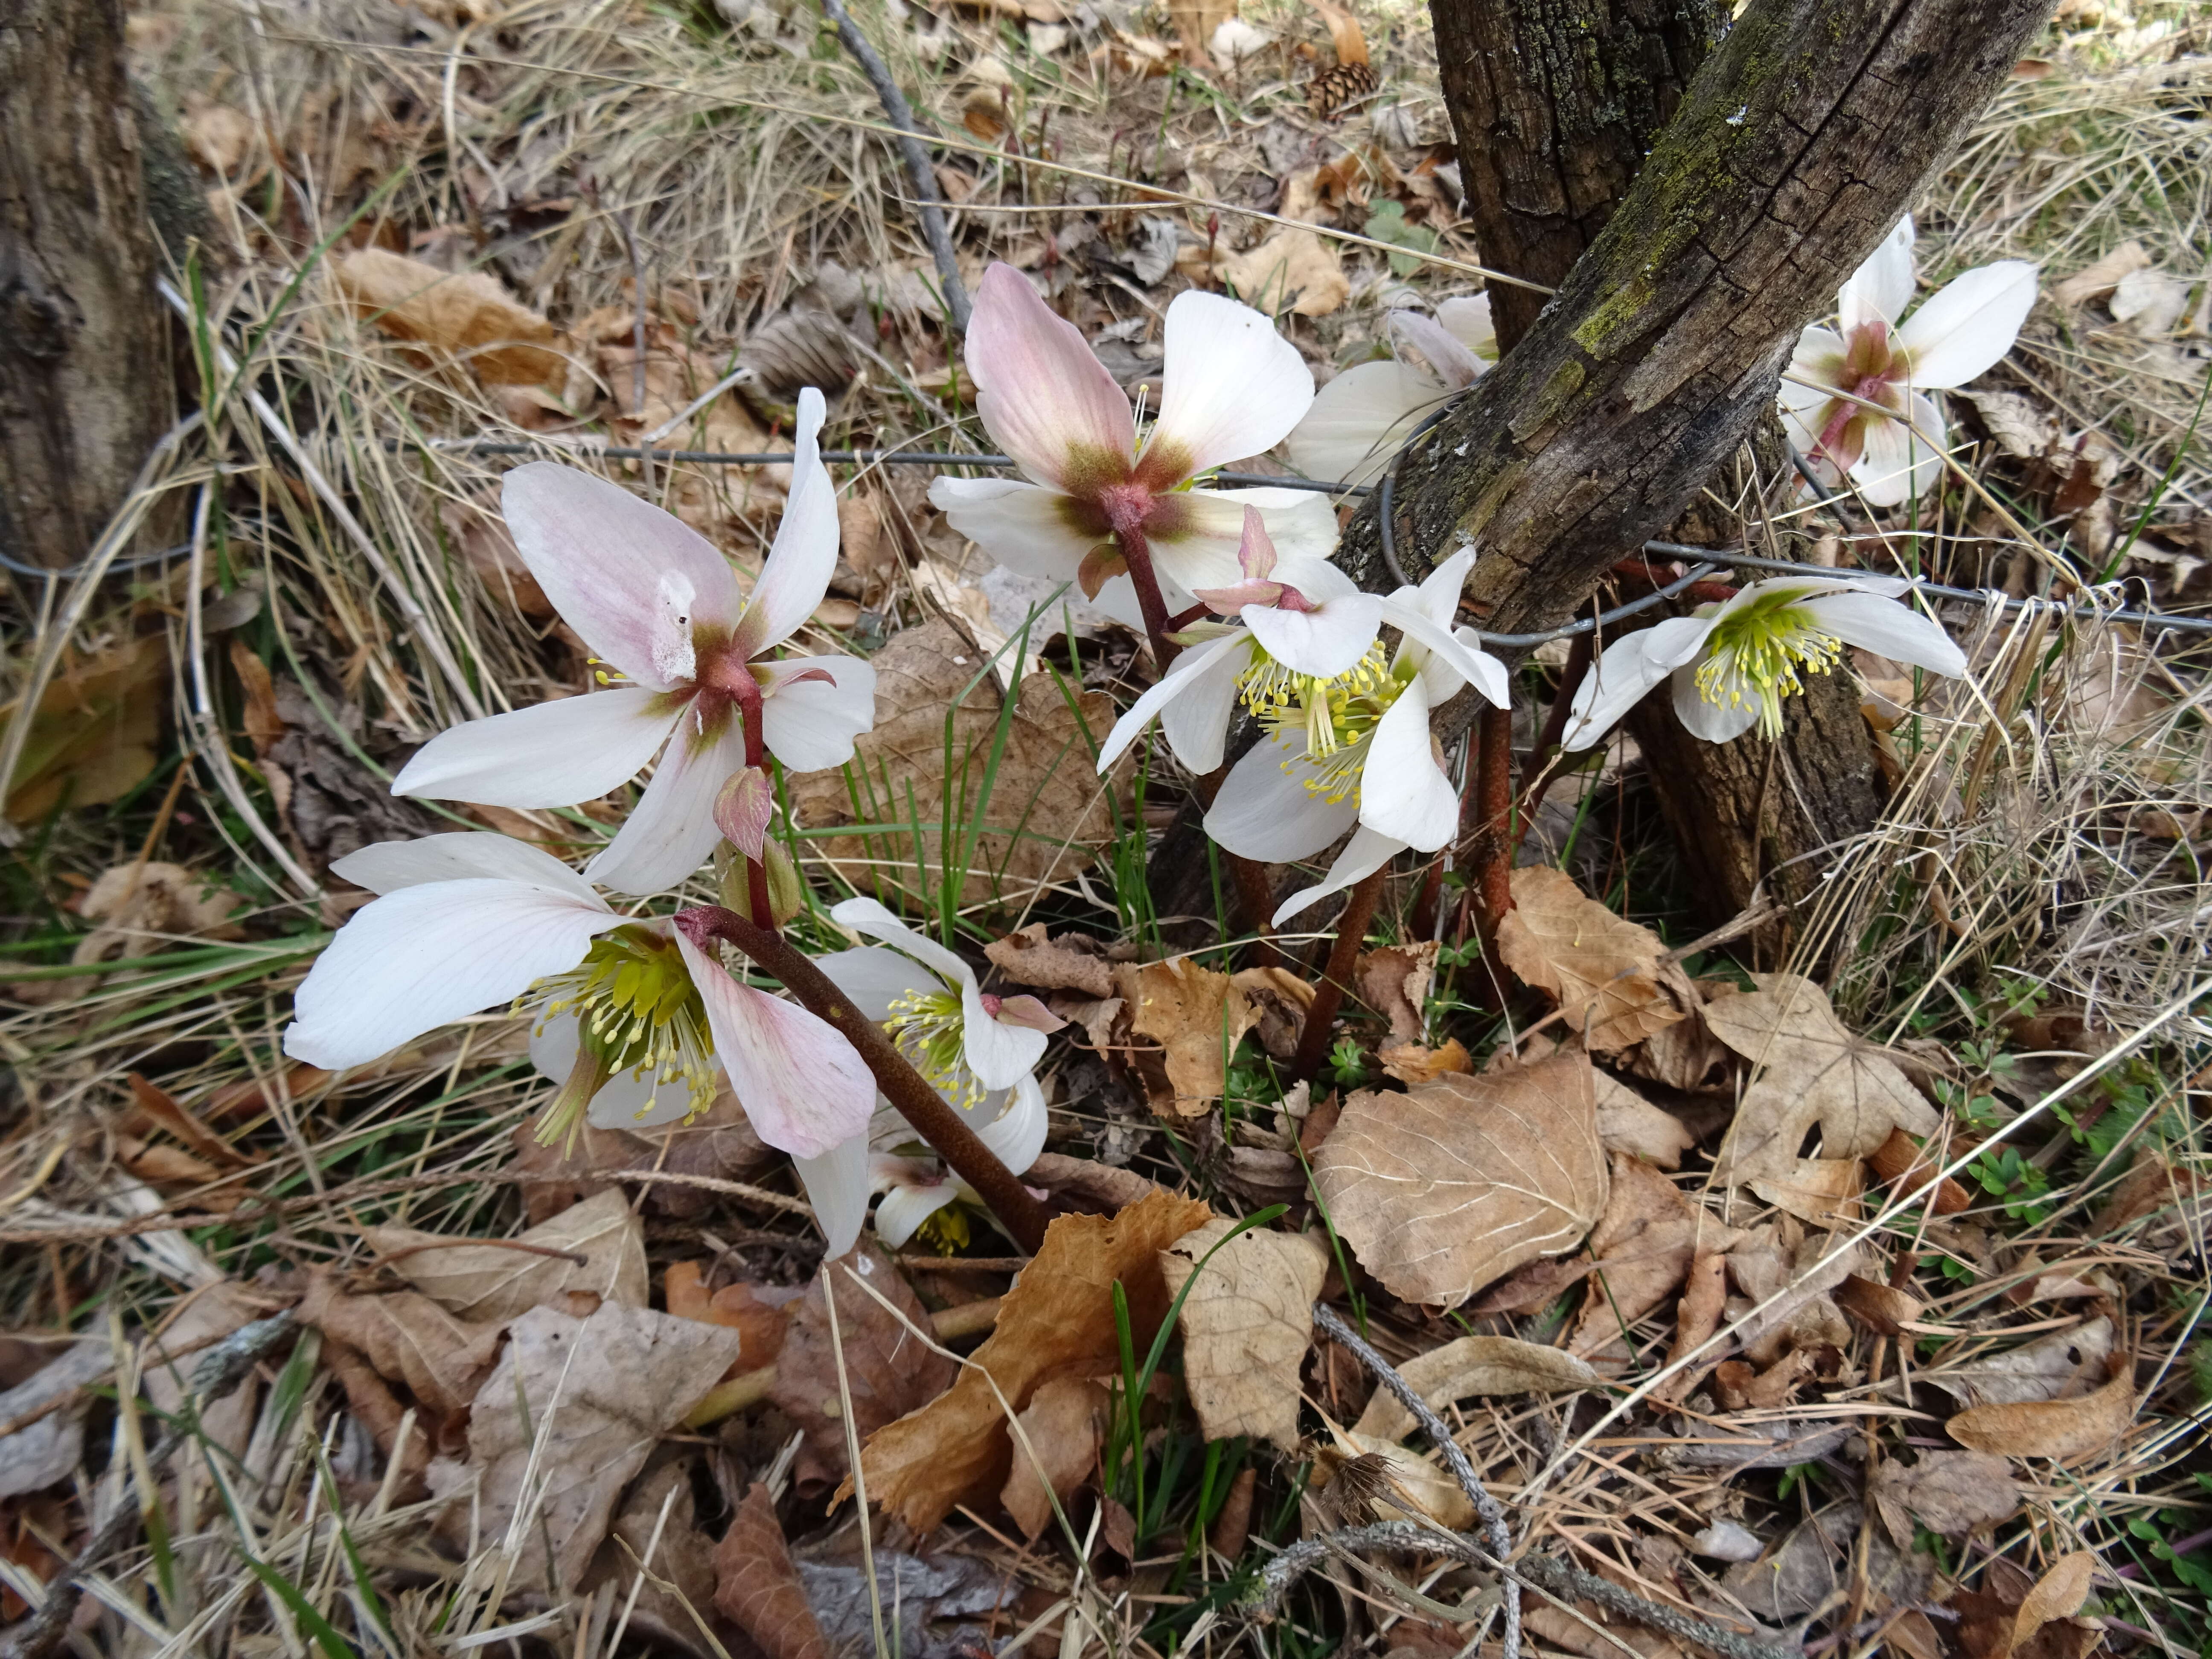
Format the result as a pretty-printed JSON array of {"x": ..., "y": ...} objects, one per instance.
[
  {"x": 739, "y": 686},
  {"x": 1328, "y": 996},
  {"x": 947, "y": 1133},
  {"x": 1137, "y": 554}
]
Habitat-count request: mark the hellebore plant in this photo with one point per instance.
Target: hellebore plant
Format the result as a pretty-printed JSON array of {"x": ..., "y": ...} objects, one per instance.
[
  {"x": 978, "y": 1052},
  {"x": 1733, "y": 663},
  {"x": 1100, "y": 504},
  {"x": 1949, "y": 340},
  {"x": 1361, "y": 419},
  {"x": 1353, "y": 751},
  {"x": 467, "y": 923},
  {"x": 660, "y": 606},
  {"x": 1305, "y": 623}
]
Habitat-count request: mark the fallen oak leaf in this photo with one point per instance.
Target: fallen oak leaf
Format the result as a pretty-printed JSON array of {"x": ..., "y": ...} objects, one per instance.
[
  {"x": 1058, "y": 1321},
  {"x": 1643, "y": 1245},
  {"x": 408, "y": 1338},
  {"x": 1472, "y": 1365},
  {"x": 758, "y": 1590},
  {"x": 1074, "y": 962},
  {"x": 1451, "y": 1186},
  {"x": 596, "y": 1245},
  {"x": 1603, "y": 970},
  {"x": 1627, "y": 1123},
  {"x": 1393, "y": 980},
  {"x": 468, "y": 317},
  {"x": 2064, "y": 1430},
  {"x": 2013, "y": 1614},
  {"x": 1247, "y": 1320},
  {"x": 1949, "y": 1492}
]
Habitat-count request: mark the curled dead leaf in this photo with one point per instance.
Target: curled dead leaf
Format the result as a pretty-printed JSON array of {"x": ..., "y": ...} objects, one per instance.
[
  {"x": 1056, "y": 1446},
  {"x": 468, "y": 317},
  {"x": 408, "y": 1338},
  {"x": 1074, "y": 962},
  {"x": 1946, "y": 1491},
  {"x": 1627, "y": 1123},
  {"x": 1246, "y": 1322},
  {"x": 757, "y": 1587},
  {"x": 2064, "y": 1430},
  {"x": 1602, "y": 969},
  {"x": 1472, "y": 1365},
  {"x": 484, "y": 1281},
  {"x": 1197, "y": 1017}
]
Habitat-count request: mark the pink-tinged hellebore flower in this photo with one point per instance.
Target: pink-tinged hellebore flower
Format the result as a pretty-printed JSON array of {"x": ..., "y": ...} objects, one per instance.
[
  {"x": 661, "y": 607},
  {"x": 1361, "y": 419},
  {"x": 632, "y": 1024},
  {"x": 979, "y": 1052},
  {"x": 1233, "y": 388},
  {"x": 1354, "y": 752},
  {"x": 1953, "y": 338},
  {"x": 1733, "y": 663},
  {"x": 1305, "y": 623}
]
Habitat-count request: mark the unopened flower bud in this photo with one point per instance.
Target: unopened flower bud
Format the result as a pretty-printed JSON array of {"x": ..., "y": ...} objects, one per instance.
[
  {"x": 744, "y": 808},
  {"x": 786, "y": 896}
]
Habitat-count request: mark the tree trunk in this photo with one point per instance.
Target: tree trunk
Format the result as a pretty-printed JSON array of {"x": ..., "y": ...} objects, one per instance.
[
  {"x": 84, "y": 373},
  {"x": 1555, "y": 104}
]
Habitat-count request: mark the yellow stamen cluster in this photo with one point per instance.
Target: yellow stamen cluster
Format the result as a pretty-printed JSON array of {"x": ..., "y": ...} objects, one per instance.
[
  {"x": 929, "y": 1027},
  {"x": 1753, "y": 658},
  {"x": 1334, "y": 717},
  {"x": 637, "y": 1012}
]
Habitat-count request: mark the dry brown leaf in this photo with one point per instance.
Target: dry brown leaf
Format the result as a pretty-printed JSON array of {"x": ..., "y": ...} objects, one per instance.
[
  {"x": 264, "y": 724},
  {"x": 1697, "y": 1316},
  {"x": 1047, "y": 813},
  {"x": 1364, "y": 1478},
  {"x": 1626, "y": 1122},
  {"x": 1989, "y": 1619},
  {"x": 1196, "y": 21},
  {"x": 1644, "y": 1243},
  {"x": 571, "y": 1411},
  {"x": 2096, "y": 280},
  {"x": 1074, "y": 962},
  {"x": 489, "y": 546},
  {"x": 1537, "y": 1285},
  {"x": 2064, "y": 1430},
  {"x": 218, "y": 136},
  {"x": 2058, "y": 1594},
  {"x": 141, "y": 908},
  {"x": 1472, "y": 1365},
  {"x": 1811, "y": 1071},
  {"x": 1393, "y": 980},
  {"x": 2151, "y": 1184},
  {"x": 409, "y": 1339},
  {"x": 483, "y": 1282},
  {"x": 96, "y": 733},
  {"x": 1411, "y": 1064},
  {"x": 158, "y": 1104},
  {"x": 2071, "y": 1362},
  {"x": 1279, "y": 1000},
  {"x": 1739, "y": 1387},
  {"x": 1058, "y": 1321},
  {"x": 888, "y": 1370},
  {"x": 1901, "y": 1163},
  {"x": 1061, "y": 1428},
  {"x": 1292, "y": 270},
  {"x": 681, "y": 1584},
  {"x": 1246, "y": 1325},
  {"x": 1883, "y": 1308},
  {"x": 758, "y": 1590},
  {"x": 468, "y": 317},
  {"x": 1445, "y": 1188},
  {"x": 1197, "y": 1017},
  {"x": 1086, "y": 1181},
  {"x": 1790, "y": 1275},
  {"x": 1344, "y": 31},
  {"x": 759, "y": 1314},
  {"x": 1602, "y": 969},
  {"x": 1946, "y": 1491},
  {"x": 1823, "y": 1191},
  {"x": 52, "y": 1443}
]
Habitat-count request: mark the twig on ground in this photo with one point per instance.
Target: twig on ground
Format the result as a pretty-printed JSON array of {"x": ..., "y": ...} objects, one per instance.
[
  {"x": 928, "y": 200},
  {"x": 1491, "y": 1512},
  {"x": 222, "y": 1370}
]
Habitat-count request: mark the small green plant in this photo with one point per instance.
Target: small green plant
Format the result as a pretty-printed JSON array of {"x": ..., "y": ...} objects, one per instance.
[
  {"x": 1386, "y": 222},
  {"x": 1346, "y": 1063},
  {"x": 2013, "y": 1182}
]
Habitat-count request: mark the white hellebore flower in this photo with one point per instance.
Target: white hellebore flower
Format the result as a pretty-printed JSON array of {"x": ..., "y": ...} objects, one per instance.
[
  {"x": 466, "y": 922},
  {"x": 1733, "y": 663},
  {"x": 1306, "y": 622},
  {"x": 661, "y": 607},
  {"x": 1957, "y": 334},
  {"x": 1233, "y": 388},
  {"x": 1361, "y": 419},
  {"x": 979, "y": 1052},
  {"x": 1354, "y": 749}
]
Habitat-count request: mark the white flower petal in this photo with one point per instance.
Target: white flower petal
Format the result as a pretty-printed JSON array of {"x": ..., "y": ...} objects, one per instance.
[
  {"x": 1234, "y": 387},
  {"x": 998, "y": 1052},
  {"x": 1403, "y": 792},
  {"x": 386, "y": 866},
  {"x": 1325, "y": 643},
  {"x": 1626, "y": 672},
  {"x": 417, "y": 958},
  {"x": 1438, "y": 595},
  {"x": 1016, "y": 1136},
  {"x": 1453, "y": 364},
  {"x": 804, "y": 555},
  {"x": 1463, "y": 664},
  {"x": 809, "y": 724},
  {"x": 551, "y": 754},
  {"x": 1899, "y": 463},
  {"x": 875, "y": 976},
  {"x": 1195, "y": 720},
  {"x": 1194, "y": 676},
  {"x": 905, "y": 1207},
  {"x": 1467, "y": 317},
  {"x": 1879, "y": 290},
  {"x": 670, "y": 831},
  {"x": 1359, "y": 419},
  {"x": 1042, "y": 393},
  {"x": 1266, "y": 812},
  {"x": 1368, "y": 851},
  {"x": 804, "y": 1088},
  {"x": 836, "y": 1184},
  {"x": 600, "y": 553},
  {"x": 1026, "y": 527},
  {"x": 1195, "y": 534},
  {"x": 1714, "y": 722},
  {"x": 1968, "y": 324},
  {"x": 866, "y": 917},
  {"x": 1884, "y": 626}
]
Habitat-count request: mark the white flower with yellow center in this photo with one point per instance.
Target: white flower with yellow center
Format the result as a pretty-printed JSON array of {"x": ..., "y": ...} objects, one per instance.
[
  {"x": 636, "y": 1020},
  {"x": 1353, "y": 750},
  {"x": 1732, "y": 664},
  {"x": 979, "y": 1052}
]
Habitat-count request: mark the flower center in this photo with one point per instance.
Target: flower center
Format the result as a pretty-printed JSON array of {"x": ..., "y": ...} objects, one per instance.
[
  {"x": 636, "y": 1011},
  {"x": 1753, "y": 658},
  {"x": 1335, "y": 717},
  {"x": 928, "y": 1028}
]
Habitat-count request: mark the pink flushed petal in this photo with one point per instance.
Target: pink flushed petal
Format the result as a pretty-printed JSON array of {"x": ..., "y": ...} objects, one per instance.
[
  {"x": 1023, "y": 1011},
  {"x": 1255, "y": 553},
  {"x": 804, "y": 1088},
  {"x": 601, "y": 554},
  {"x": 1044, "y": 397},
  {"x": 803, "y": 555},
  {"x": 671, "y": 829},
  {"x": 1228, "y": 601}
]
